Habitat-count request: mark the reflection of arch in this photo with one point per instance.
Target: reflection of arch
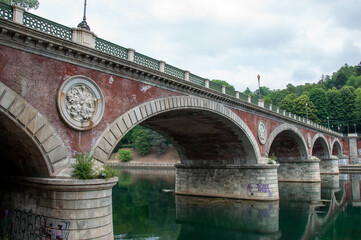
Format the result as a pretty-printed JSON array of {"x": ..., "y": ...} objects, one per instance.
[
  {"x": 320, "y": 147},
  {"x": 294, "y": 131},
  {"x": 28, "y": 142},
  {"x": 112, "y": 135},
  {"x": 336, "y": 147}
]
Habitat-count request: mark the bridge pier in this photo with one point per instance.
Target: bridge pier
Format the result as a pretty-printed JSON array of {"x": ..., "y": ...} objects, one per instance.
[
  {"x": 329, "y": 166},
  {"x": 58, "y": 208},
  {"x": 299, "y": 170},
  {"x": 256, "y": 182}
]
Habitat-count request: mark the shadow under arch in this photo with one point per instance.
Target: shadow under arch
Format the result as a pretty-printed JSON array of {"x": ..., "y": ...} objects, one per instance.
[
  {"x": 336, "y": 148},
  {"x": 320, "y": 148},
  {"x": 295, "y": 140},
  {"x": 193, "y": 125},
  {"x": 29, "y": 145}
]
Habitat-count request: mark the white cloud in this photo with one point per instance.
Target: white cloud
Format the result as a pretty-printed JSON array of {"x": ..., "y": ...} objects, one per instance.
[{"x": 234, "y": 40}]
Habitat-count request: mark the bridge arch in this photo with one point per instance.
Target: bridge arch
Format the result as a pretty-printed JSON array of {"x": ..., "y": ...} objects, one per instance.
[
  {"x": 294, "y": 137},
  {"x": 320, "y": 147},
  {"x": 198, "y": 112},
  {"x": 336, "y": 148},
  {"x": 29, "y": 144}
]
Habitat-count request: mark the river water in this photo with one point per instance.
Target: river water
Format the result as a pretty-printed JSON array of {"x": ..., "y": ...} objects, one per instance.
[{"x": 145, "y": 207}]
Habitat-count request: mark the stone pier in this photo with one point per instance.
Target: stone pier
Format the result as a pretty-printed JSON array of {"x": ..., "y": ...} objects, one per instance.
[
  {"x": 58, "y": 208},
  {"x": 329, "y": 166},
  {"x": 257, "y": 182},
  {"x": 299, "y": 170}
]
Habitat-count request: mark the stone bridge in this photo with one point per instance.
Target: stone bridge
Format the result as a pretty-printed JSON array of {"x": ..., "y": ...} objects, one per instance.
[{"x": 61, "y": 88}]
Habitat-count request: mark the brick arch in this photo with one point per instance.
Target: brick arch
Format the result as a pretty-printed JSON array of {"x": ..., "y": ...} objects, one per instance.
[
  {"x": 336, "y": 144},
  {"x": 323, "y": 150},
  {"x": 116, "y": 130},
  {"x": 36, "y": 149},
  {"x": 281, "y": 129}
]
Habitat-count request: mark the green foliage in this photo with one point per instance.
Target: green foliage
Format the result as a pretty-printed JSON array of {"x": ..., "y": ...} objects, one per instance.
[
  {"x": 301, "y": 109},
  {"x": 28, "y": 4},
  {"x": 222, "y": 82},
  {"x": 83, "y": 166},
  {"x": 272, "y": 159},
  {"x": 319, "y": 99},
  {"x": 125, "y": 155},
  {"x": 141, "y": 141}
]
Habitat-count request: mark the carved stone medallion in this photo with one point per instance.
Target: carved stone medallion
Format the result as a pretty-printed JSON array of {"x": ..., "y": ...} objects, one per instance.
[
  {"x": 262, "y": 132},
  {"x": 309, "y": 141},
  {"x": 80, "y": 103}
]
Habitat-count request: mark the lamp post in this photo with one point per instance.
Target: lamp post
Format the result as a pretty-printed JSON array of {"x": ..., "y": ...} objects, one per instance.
[
  {"x": 328, "y": 122},
  {"x": 84, "y": 24},
  {"x": 307, "y": 111},
  {"x": 259, "y": 86}
]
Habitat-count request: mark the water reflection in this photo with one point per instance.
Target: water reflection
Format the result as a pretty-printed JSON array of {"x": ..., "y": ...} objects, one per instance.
[
  {"x": 219, "y": 218},
  {"x": 143, "y": 210}
]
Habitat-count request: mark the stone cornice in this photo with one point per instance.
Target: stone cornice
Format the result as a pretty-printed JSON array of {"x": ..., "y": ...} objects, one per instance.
[{"x": 26, "y": 39}]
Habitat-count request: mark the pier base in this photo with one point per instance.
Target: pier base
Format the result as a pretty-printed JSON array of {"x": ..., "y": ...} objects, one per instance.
[
  {"x": 299, "y": 171},
  {"x": 257, "y": 182},
  {"x": 58, "y": 208}
]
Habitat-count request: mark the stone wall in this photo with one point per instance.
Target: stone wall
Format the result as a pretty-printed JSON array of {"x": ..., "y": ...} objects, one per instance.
[
  {"x": 299, "y": 171},
  {"x": 257, "y": 182},
  {"x": 329, "y": 166},
  {"x": 58, "y": 208}
]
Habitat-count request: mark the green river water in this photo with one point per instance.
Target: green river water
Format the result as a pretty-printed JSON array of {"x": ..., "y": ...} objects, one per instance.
[{"x": 145, "y": 207}]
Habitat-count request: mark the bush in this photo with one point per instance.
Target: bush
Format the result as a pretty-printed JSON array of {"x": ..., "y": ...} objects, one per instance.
[
  {"x": 83, "y": 166},
  {"x": 125, "y": 155}
]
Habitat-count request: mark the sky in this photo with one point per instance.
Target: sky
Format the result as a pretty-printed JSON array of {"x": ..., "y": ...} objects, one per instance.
[{"x": 233, "y": 40}]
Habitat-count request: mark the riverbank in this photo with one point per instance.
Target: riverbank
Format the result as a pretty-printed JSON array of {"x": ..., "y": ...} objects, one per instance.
[{"x": 163, "y": 160}]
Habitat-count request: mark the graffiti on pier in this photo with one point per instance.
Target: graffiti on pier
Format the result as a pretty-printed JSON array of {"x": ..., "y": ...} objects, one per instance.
[
  {"x": 260, "y": 188},
  {"x": 25, "y": 224}
]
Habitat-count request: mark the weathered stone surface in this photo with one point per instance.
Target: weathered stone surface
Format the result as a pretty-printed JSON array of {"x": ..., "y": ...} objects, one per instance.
[
  {"x": 329, "y": 166},
  {"x": 82, "y": 207},
  {"x": 299, "y": 171},
  {"x": 257, "y": 183}
]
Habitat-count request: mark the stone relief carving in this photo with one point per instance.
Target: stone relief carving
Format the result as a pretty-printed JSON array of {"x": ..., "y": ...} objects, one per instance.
[
  {"x": 262, "y": 132},
  {"x": 80, "y": 103}
]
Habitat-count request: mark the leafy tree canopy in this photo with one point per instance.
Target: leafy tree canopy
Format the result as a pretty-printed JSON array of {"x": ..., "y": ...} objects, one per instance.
[{"x": 222, "y": 82}]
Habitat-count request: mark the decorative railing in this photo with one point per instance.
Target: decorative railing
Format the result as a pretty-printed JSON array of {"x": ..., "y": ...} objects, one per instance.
[
  {"x": 6, "y": 11},
  {"x": 197, "y": 80},
  {"x": 58, "y": 30},
  {"x": 215, "y": 86},
  {"x": 173, "y": 71},
  {"x": 111, "y": 48},
  {"x": 146, "y": 61},
  {"x": 44, "y": 25},
  {"x": 231, "y": 92}
]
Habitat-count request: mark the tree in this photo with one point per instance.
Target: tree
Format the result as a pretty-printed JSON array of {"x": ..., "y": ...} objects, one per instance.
[
  {"x": 334, "y": 107},
  {"x": 287, "y": 102},
  {"x": 222, "y": 82},
  {"x": 358, "y": 103},
  {"x": 300, "y": 108},
  {"x": 347, "y": 102},
  {"x": 319, "y": 99},
  {"x": 28, "y": 4},
  {"x": 358, "y": 70}
]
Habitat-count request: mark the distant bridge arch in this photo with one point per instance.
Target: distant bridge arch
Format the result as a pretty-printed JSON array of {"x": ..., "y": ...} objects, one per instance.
[
  {"x": 320, "y": 147},
  {"x": 237, "y": 144}
]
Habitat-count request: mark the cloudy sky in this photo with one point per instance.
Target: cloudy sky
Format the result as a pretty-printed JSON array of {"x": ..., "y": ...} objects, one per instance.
[{"x": 233, "y": 40}]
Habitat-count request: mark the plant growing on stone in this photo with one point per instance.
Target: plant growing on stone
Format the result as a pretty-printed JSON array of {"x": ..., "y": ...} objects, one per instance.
[
  {"x": 272, "y": 159},
  {"x": 83, "y": 166},
  {"x": 125, "y": 155}
]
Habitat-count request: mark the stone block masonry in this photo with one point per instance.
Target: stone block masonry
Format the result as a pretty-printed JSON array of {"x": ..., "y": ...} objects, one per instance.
[
  {"x": 257, "y": 182},
  {"x": 58, "y": 208},
  {"x": 299, "y": 171}
]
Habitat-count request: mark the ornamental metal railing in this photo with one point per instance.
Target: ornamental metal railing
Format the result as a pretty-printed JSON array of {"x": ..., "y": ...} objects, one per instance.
[
  {"x": 197, "y": 80},
  {"x": 47, "y": 26},
  {"x": 173, "y": 71},
  {"x": 111, "y": 48},
  {"x": 58, "y": 30},
  {"x": 6, "y": 11},
  {"x": 146, "y": 61}
]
